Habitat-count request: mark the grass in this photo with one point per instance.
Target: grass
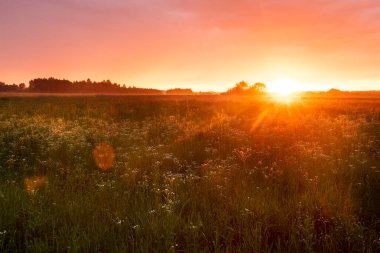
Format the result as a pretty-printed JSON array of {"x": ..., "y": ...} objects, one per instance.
[{"x": 193, "y": 174}]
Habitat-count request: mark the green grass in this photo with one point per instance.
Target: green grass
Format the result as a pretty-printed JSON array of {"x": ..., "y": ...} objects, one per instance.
[{"x": 193, "y": 174}]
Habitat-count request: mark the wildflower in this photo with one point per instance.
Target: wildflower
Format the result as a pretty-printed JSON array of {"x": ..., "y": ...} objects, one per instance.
[{"x": 119, "y": 221}]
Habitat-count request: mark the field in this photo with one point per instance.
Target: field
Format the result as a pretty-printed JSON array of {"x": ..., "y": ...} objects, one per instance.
[{"x": 189, "y": 174}]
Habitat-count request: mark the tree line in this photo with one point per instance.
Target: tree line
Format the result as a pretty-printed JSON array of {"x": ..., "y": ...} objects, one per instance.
[
  {"x": 11, "y": 87},
  {"x": 54, "y": 85}
]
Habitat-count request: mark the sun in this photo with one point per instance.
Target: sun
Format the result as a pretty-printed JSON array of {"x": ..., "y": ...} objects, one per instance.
[
  {"x": 284, "y": 86},
  {"x": 283, "y": 90}
]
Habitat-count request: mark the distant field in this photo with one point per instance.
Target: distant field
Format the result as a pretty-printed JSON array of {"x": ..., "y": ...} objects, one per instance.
[
  {"x": 188, "y": 173},
  {"x": 34, "y": 94}
]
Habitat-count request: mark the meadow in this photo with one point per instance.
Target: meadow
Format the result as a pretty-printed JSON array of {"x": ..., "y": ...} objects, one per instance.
[{"x": 189, "y": 174}]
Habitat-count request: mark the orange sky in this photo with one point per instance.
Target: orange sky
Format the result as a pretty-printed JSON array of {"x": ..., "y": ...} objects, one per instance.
[{"x": 201, "y": 44}]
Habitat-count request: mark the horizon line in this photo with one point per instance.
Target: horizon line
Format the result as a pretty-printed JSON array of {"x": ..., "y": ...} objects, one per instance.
[{"x": 141, "y": 86}]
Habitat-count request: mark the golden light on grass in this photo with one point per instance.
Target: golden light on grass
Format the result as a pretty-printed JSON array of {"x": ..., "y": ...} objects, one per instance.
[
  {"x": 32, "y": 184},
  {"x": 259, "y": 119},
  {"x": 284, "y": 98},
  {"x": 104, "y": 156}
]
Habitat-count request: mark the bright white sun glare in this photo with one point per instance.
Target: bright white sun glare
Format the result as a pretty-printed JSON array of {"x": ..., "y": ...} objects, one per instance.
[
  {"x": 284, "y": 87},
  {"x": 283, "y": 90}
]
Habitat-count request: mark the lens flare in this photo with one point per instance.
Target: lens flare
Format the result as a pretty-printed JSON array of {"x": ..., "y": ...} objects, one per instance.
[
  {"x": 32, "y": 184},
  {"x": 104, "y": 156}
]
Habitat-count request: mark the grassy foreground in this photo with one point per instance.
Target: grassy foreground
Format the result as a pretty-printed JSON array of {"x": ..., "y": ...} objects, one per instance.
[{"x": 154, "y": 174}]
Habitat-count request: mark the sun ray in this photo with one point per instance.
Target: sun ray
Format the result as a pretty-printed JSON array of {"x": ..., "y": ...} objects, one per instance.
[{"x": 259, "y": 120}]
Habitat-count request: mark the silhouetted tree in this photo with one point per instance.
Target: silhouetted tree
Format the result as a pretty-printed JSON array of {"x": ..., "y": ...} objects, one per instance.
[
  {"x": 8, "y": 88},
  {"x": 21, "y": 86},
  {"x": 243, "y": 88},
  {"x": 239, "y": 88},
  {"x": 260, "y": 87}
]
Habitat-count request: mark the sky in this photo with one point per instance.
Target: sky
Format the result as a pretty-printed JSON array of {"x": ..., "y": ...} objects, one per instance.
[{"x": 200, "y": 44}]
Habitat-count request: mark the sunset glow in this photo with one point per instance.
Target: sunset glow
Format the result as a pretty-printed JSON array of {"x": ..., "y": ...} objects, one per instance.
[
  {"x": 189, "y": 126},
  {"x": 284, "y": 98},
  {"x": 203, "y": 45},
  {"x": 284, "y": 87}
]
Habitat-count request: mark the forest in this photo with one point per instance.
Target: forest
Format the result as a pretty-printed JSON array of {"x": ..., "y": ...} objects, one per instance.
[{"x": 54, "y": 85}]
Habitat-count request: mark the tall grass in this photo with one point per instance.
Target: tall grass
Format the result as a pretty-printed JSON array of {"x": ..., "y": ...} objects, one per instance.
[{"x": 190, "y": 174}]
